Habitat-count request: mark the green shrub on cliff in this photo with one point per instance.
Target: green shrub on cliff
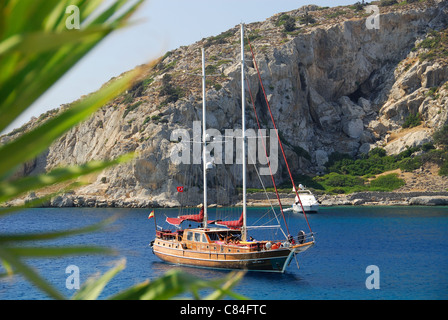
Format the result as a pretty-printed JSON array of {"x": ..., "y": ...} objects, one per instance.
[
  {"x": 345, "y": 183},
  {"x": 387, "y": 182},
  {"x": 374, "y": 163},
  {"x": 386, "y": 3},
  {"x": 413, "y": 120},
  {"x": 435, "y": 46},
  {"x": 441, "y": 137}
]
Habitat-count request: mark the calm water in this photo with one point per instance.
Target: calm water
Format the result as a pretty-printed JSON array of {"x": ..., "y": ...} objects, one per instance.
[{"x": 408, "y": 244}]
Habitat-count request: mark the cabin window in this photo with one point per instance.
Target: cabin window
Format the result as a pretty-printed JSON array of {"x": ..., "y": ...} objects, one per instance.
[
  {"x": 213, "y": 236},
  {"x": 190, "y": 236},
  {"x": 197, "y": 237},
  {"x": 204, "y": 238}
]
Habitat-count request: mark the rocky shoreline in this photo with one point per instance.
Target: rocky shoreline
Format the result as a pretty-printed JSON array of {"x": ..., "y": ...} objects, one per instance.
[
  {"x": 365, "y": 198},
  {"x": 387, "y": 199},
  {"x": 253, "y": 200}
]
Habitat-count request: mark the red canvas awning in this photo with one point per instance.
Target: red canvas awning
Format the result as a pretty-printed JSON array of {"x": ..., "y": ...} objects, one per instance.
[
  {"x": 192, "y": 217},
  {"x": 235, "y": 224},
  {"x": 174, "y": 221}
]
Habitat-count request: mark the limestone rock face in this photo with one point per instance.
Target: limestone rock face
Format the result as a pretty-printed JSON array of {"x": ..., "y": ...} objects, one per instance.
[
  {"x": 333, "y": 86},
  {"x": 410, "y": 140}
]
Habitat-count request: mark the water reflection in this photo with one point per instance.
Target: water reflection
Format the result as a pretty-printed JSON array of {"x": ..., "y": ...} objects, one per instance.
[
  {"x": 204, "y": 273},
  {"x": 281, "y": 286}
]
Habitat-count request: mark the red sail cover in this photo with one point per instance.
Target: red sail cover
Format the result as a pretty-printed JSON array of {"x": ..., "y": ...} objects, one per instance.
[
  {"x": 235, "y": 224},
  {"x": 192, "y": 217}
]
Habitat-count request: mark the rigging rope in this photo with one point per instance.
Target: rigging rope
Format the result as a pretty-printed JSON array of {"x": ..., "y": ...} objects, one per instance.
[
  {"x": 266, "y": 153},
  {"x": 269, "y": 200},
  {"x": 278, "y": 137}
]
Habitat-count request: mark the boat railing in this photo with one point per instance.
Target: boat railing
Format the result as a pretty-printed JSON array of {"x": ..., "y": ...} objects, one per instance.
[
  {"x": 301, "y": 238},
  {"x": 272, "y": 244},
  {"x": 304, "y": 237},
  {"x": 169, "y": 235}
]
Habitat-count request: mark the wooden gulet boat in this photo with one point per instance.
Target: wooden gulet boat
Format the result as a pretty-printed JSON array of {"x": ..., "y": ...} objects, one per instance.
[
  {"x": 205, "y": 247},
  {"x": 225, "y": 245}
]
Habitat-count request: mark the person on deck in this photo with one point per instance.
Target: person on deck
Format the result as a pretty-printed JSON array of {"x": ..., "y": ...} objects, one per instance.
[{"x": 291, "y": 239}]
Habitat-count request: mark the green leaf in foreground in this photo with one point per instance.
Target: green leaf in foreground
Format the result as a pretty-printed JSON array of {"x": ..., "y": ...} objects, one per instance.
[
  {"x": 42, "y": 236},
  {"x": 176, "y": 282},
  {"x": 12, "y": 255},
  {"x": 32, "y": 143},
  {"x": 14, "y": 263},
  {"x": 36, "y": 48},
  {"x": 12, "y": 189},
  {"x": 93, "y": 287}
]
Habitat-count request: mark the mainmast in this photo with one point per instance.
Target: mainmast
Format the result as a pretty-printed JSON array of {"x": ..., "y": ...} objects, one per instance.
[
  {"x": 243, "y": 129},
  {"x": 204, "y": 142}
]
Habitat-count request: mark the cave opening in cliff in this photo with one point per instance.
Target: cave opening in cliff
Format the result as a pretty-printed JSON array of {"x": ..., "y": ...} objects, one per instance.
[{"x": 358, "y": 93}]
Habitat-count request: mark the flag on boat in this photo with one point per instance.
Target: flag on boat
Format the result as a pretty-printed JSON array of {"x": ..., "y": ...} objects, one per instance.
[
  {"x": 151, "y": 215},
  {"x": 180, "y": 189}
]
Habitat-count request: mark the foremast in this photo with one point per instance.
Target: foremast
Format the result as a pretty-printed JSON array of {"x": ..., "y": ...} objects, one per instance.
[
  {"x": 243, "y": 138},
  {"x": 204, "y": 140}
]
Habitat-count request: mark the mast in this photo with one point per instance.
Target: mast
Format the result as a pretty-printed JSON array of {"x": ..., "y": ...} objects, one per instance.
[
  {"x": 243, "y": 129},
  {"x": 204, "y": 142}
]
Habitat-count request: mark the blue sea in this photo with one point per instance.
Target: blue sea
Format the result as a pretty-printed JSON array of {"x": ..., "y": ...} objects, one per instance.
[{"x": 407, "y": 247}]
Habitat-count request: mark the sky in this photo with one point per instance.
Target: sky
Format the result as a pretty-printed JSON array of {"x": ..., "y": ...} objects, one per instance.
[{"x": 161, "y": 25}]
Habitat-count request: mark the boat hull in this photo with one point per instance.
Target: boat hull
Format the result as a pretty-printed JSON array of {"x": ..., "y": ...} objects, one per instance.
[
  {"x": 313, "y": 208},
  {"x": 275, "y": 260},
  {"x": 308, "y": 201}
]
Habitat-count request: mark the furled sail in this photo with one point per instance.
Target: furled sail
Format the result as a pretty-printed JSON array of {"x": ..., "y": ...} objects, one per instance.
[
  {"x": 235, "y": 224},
  {"x": 191, "y": 217}
]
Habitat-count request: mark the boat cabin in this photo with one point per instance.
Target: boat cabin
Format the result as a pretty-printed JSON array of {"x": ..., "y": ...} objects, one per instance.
[
  {"x": 212, "y": 235},
  {"x": 208, "y": 238}
]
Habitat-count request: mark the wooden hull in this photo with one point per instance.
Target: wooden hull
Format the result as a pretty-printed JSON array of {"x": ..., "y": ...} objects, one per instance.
[{"x": 226, "y": 256}]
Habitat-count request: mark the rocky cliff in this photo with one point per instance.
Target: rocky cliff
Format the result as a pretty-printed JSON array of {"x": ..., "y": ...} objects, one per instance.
[{"x": 334, "y": 85}]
